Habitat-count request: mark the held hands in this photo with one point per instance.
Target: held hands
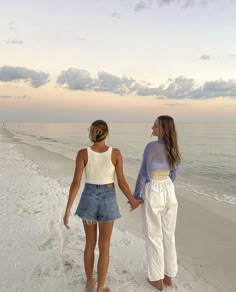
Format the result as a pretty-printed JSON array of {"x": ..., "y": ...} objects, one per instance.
[{"x": 135, "y": 204}]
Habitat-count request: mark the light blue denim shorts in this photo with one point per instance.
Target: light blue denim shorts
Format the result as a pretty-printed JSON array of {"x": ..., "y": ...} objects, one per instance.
[{"x": 98, "y": 203}]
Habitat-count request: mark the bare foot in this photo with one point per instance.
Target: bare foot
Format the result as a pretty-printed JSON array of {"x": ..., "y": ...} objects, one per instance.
[
  {"x": 157, "y": 284},
  {"x": 105, "y": 290},
  {"x": 90, "y": 285},
  {"x": 168, "y": 281}
]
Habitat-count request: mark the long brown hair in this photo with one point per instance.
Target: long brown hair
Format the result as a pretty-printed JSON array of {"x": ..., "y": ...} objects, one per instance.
[
  {"x": 170, "y": 137},
  {"x": 98, "y": 131}
]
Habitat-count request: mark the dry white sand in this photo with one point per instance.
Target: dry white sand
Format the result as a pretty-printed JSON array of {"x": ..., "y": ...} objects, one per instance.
[{"x": 38, "y": 254}]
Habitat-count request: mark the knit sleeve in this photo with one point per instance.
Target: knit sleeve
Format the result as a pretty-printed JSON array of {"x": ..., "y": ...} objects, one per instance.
[{"x": 142, "y": 176}]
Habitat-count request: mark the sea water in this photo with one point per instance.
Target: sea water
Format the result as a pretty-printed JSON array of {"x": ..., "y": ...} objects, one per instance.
[{"x": 208, "y": 150}]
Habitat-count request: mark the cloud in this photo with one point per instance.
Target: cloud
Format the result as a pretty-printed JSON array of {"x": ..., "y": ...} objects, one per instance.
[
  {"x": 109, "y": 82},
  {"x": 178, "y": 88},
  {"x": 188, "y": 4},
  {"x": 216, "y": 88},
  {"x": 205, "y": 57},
  {"x": 166, "y": 1},
  {"x": 181, "y": 88},
  {"x": 185, "y": 3},
  {"x": 77, "y": 79},
  {"x": 115, "y": 15},
  {"x": 9, "y": 96},
  {"x": 81, "y": 38},
  {"x": 13, "y": 42},
  {"x": 173, "y": 104},
  {"x": 142, "y": 5},
  {"x": 32, "y": 77},
  {"x": 12, "y": 26},
  {"x": 206, "y": 2}
]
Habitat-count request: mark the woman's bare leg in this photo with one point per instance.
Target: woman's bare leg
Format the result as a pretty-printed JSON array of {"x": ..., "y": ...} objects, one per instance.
[
  {"x": 105, "y": 231},
  {"x": 91, "y": 239}
]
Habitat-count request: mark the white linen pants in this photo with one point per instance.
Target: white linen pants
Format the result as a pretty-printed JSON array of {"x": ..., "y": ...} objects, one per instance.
[{"x": 160, "y": 213}]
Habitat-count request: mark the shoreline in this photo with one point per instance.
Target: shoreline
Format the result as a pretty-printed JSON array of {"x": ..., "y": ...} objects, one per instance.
[
  {"x": 131, "y": 169},
  {"x": 205, "y": 235}
]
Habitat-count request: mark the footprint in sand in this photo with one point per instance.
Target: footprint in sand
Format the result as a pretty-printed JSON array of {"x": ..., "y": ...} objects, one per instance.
[
  {"x": 80, "y": 280},
  {"x": 130, "y": 283},
  {"x": 22, "y": 211},
  {"x": 139, "y": 289},
  {"x": 52, "y": 265},
  {"x": 8, "y": 243},
  {"x": 126, "y": 241},
  {"x": 70, "y": 264},
  {"x": 121, "y": 243},
  {"x": 40, "y": 271},
  {"x": 47, "y": 270},
  {"x": 122, "y": 275},
  {"x": 51, "y": 243},
  {"x": 187, "y": 286},
  {"x": 67, "y": 266}
]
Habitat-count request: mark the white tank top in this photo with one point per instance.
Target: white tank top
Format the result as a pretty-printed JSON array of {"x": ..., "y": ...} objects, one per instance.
[{"x": 99, "y": 168}]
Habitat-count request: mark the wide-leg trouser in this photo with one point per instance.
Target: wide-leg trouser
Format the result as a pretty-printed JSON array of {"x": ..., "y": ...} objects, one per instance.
[{"x": 160, "y": 213}]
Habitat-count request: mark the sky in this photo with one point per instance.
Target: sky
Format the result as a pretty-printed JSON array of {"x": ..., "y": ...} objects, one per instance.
[{"x": 122, "y": 61}]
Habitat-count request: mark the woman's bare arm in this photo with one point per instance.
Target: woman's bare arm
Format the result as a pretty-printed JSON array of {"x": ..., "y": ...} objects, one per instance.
[
  {"x": 81, "y": 161},
  {"x": 117, "y": 160}
]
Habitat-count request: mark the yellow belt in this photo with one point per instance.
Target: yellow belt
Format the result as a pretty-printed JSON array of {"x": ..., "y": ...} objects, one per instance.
[{"x": 160, "y": 174}]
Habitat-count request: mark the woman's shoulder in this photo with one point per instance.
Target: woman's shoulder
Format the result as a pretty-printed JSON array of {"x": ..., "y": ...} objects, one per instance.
[
  {"x": 82, "y": 153},
  {"x": 154, "y": 145},
  {"x": 116, "y": 154},
  {"x": 84, "y": 150},
  {"x": 82, "y": 157},
  {"x": 156, "y": 142},
  {"x": 116, "y": 151},
  {"x": 151, "y": 144}
]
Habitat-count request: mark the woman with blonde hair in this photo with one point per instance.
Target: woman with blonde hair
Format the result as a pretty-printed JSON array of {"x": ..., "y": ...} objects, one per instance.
[
  {"x": 98, "y": 205},
  {"x": 155, "y": 187}
]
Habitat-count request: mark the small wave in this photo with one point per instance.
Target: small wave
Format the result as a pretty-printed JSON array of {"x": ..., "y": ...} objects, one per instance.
[
  {"x": 22, "y": 134},
  {"x": 226, "y": 198},
  {"x": 132, "y": 161},
  {"x": 48, "y": 139}
]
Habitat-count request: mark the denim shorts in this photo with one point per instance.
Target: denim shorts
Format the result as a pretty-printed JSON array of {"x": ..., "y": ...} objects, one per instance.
[{"x": 98, "y": 203}]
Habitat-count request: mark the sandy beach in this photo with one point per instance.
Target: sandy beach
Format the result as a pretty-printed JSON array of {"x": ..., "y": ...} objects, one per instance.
[{"x": 37, "y": 253}]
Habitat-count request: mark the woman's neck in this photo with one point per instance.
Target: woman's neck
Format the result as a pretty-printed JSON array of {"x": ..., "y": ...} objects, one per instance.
[{"x": 99, "y": 146}]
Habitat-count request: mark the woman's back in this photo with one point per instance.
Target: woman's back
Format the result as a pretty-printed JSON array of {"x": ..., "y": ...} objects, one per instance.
[
  {"x": 155, "y": 156},
  {"x": 99, "y": 168}
]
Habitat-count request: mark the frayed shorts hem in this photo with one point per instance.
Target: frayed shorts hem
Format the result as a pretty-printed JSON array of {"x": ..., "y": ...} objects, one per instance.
[{"x": 92, "y": 221}]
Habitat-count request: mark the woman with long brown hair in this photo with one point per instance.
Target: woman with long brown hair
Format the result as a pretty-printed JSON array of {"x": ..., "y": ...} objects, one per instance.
[{"x": 155, "y": 187}]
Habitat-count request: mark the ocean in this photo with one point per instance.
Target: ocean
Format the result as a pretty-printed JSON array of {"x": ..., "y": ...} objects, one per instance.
[{"x": 208, "y": 151}]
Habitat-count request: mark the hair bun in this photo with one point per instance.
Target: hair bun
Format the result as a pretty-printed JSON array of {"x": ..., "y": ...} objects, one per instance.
[{"x": 98, "y": 131}]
